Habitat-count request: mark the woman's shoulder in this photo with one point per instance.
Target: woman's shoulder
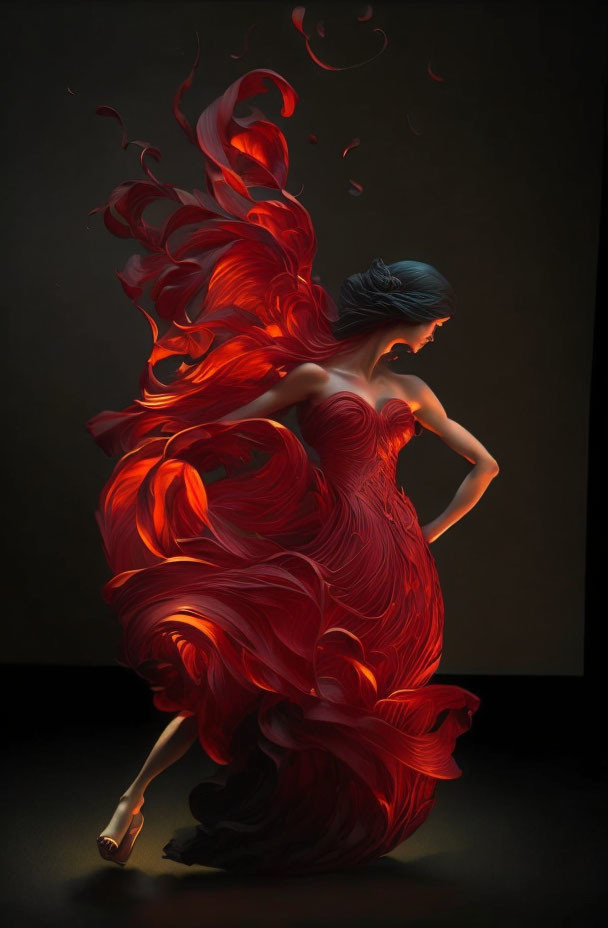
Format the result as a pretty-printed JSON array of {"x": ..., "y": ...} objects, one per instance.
[
  {"x": 309, "y": 372},
  {"x": 302, "y": 381},
  {"x": 409, "y": 387}
]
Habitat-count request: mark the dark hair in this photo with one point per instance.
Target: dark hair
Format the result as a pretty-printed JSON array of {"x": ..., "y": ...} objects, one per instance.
[{"x": 405, "y": 291}]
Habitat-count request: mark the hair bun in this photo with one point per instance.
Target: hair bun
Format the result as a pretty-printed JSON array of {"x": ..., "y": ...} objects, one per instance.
[{"x": 380, "y": 278}]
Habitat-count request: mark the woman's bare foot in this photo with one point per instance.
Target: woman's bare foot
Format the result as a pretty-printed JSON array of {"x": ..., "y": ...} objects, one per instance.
[{"x": 128, "y": 805}]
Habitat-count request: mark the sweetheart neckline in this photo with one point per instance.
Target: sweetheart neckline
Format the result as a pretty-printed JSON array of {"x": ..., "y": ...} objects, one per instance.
[{"x": 378, "y": 412}]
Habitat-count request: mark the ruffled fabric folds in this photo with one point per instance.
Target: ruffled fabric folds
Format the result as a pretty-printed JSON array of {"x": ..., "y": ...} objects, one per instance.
[{"x": 293, "y": 608}]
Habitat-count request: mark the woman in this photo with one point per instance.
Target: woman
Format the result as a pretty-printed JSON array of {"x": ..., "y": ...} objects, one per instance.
[{"x": 287, "y": 612}]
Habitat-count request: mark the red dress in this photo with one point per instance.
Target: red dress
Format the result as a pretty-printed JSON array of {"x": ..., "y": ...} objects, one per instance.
[{"x": 292, "y": 607}]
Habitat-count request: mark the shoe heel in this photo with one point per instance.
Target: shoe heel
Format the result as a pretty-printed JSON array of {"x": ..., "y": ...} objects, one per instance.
[{"x": 123, "y": 851}]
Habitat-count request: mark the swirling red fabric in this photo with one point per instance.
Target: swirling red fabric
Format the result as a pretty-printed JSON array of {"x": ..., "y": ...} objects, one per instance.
[{"x": 292, "y": 606}]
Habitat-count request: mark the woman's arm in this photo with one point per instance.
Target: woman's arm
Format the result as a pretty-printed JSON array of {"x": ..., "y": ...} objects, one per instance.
[
  {"x": 302, "y": 382},
  {"x": 432, "y": 415}
]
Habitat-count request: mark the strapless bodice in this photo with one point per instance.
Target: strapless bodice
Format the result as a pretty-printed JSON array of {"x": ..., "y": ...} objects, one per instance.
[{"x": 355, "y": 441}]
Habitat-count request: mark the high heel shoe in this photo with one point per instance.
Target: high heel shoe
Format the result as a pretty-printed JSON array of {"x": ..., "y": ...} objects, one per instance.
[{"x": 122, "y": 851}]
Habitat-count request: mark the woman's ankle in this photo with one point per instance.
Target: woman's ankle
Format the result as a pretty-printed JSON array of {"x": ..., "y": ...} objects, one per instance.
[{"x": 134, "y": 796}]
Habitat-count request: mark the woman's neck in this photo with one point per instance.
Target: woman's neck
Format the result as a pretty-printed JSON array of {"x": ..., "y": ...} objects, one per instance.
[{"x": 366, "y": 358}]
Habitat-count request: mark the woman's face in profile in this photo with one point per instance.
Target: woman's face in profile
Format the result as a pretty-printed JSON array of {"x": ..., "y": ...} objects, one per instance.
[{"x": 417, "y": 336}]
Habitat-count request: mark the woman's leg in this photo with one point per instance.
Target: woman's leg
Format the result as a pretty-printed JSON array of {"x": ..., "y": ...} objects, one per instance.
[{"x": 175, "y": 740}]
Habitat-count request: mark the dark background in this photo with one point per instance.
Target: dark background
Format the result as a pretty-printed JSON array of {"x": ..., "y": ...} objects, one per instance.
[
  {"x": 500, "y": 191},
  {"x": 503, "y": 191}
]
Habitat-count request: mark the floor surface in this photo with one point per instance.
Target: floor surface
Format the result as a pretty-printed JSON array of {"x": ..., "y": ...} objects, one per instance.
[{"x": 518, "y": 840}]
